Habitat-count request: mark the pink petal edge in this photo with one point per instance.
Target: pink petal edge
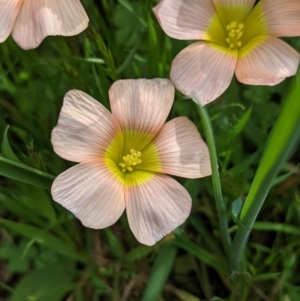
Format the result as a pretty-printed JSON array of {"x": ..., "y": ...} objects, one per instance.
[
  {"x": 41, "y": 18},
  {"x": 91, "y": 193},
  {"x": 203, "y": 72},
  {"x": 85, "y": 128},
  {"x": 156, "y": 208},
  {"x": 268, "y": 64},
  {"x": 9, "y": 10},
  {"x": 141, "y": 105},
  {"x": 282, "y": 17},
  {"x": 184, "y": 19},
  {"x": 182, "y": 152}
]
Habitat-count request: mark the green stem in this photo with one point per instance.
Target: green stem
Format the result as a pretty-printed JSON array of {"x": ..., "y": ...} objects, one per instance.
[
  {"x": 216, "y": 179},
  {"x": 280, "y": 145}
]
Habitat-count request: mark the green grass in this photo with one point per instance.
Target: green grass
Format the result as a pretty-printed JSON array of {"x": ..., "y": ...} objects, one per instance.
[{"x": 47, "y": 255}]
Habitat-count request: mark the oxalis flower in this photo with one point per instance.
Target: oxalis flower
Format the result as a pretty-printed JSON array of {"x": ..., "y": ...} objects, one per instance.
[
  {"x": 235, "y": 39},
  {"x": 30, "y": 21},
  {"x": 124, "y": 157}
]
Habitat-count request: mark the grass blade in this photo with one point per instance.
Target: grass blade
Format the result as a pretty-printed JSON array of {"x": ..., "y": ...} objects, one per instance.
[
  {"x": 282, "y": 141},
  {"x": 21, "y": 172},
  {"x": 160, "y": 272}
]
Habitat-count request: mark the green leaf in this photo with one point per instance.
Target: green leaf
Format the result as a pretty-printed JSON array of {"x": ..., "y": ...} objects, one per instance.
[
  {"x": 239, "y": 126},
  {"x": 137, "y": 253},
  {"x": 45, "y": 284},
  {"x": 281, "y": 143},
  {"x": 160, "y": 272},
  {"x": 128, "y": 6},
  {"x": 43, "y": 237},
  {"x": 236, "y": 208},
  {"x": 200, "y": 253},
  {"x": 39, "y": 201},
  {"x": 282, "y": 178},
  {"x": 6, "y": 148},
  {"x": 278, "y": 227},
  {"x": 21, "y": 172}
]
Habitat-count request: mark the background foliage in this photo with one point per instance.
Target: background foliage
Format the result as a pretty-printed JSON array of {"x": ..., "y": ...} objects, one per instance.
[{"x": 47, "y": 255}]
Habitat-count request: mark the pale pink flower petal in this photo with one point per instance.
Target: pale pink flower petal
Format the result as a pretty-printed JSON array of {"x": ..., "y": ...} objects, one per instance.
[
  {"x": 282, "y": 17},
  {"x": 185, "y": 19},
  {"x": 203, "y": 71},
  {"x": 9, "y": 10},
  {"x": 156, "y": 207},
  {"x": 141, "y": 105},
  {"x": 182, "y": 152},
  {"x": 40, "y": 18},
  {"x": 268, "y": 64},
  {"x": 85, "y": 128},
  {"x": 92, "y": 193}
]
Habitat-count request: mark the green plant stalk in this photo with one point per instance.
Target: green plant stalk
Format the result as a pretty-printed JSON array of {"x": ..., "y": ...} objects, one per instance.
[
  {"x": 160, "y": 272},
  {"x": 21, "y": 172},
  {"x": 280, "y": 145},
  {"x": 209, "y": 135}
]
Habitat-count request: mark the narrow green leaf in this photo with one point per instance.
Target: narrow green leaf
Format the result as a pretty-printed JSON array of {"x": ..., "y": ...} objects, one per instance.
[
  {"x": 200, "y": 253},
  {"x": 21, "y": 172},
  {"x": 236, "y": 208},
  {"x": 113, "y": 242},
  {"x": 246, "y": 163},
  {"x": 128, "y": 6},
  {"x": 43, "y": 237},
  {"x": 211, "y": 241},
  {"x": 39, "y": 200},
  {"x": 160, "y": 272},
  {"x": 6, "y": 148},
  {"x": 281, "y": 143},
  {"x": 12, "y": 290},
  {"x": 137, "y": 253},
  {"x": 281, "y": 178},
  {"x": 278, "y": 227},
  {"x": 237, "y": 129}
]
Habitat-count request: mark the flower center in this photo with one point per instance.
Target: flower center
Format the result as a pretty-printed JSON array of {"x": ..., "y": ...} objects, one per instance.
[
  {"x": 235, "y": 32},
  {"x": 131, "y": 159}
]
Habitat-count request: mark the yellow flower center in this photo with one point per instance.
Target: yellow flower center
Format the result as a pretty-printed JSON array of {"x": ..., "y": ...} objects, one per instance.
[
  {"x": 132, "y": 157},
  {"x": 235, "y": 32},
  {"x": 130, "y": 160}
]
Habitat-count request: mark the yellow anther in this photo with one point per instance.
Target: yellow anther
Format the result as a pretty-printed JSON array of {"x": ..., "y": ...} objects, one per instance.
[
  {"x": 231, "y": 34},
  {"x": 131, "y": 159},
  {"x": 235, "y": 32}
]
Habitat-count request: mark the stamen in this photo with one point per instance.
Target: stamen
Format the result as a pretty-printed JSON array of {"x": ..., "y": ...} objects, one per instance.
[
  {"x": 235, "y": 32},
  {"x": 131, "y": 159}
]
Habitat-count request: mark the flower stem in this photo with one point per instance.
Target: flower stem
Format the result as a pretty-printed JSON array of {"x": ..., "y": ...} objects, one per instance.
[{"x": 226, "y": 239}]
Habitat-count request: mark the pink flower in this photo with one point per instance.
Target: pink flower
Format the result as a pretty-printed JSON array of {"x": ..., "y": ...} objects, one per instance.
[
  {"x": 124, "y": 156},
  {"x": 30, "y": 21},
  {"x": 235, "y": 39}
]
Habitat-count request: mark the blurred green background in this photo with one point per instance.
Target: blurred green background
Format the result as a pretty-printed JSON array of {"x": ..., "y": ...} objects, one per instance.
[{"x": 47, "y": 255}]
